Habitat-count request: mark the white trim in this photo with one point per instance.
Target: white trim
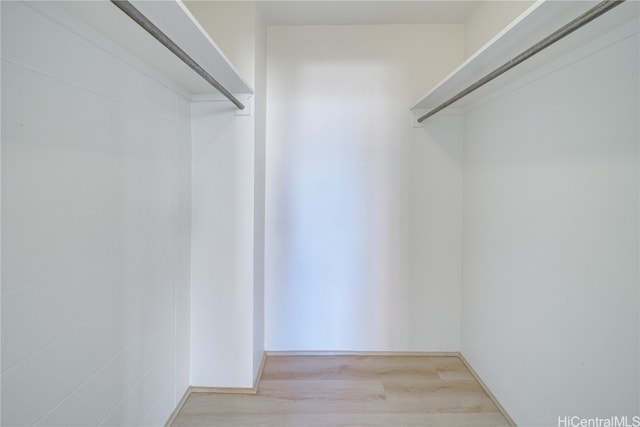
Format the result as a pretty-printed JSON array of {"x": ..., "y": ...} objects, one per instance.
[
  {"x": 234, "y": 390},
  {"x": 178, "y": 408},
  {"x": 364, "y": 353},
  {"x": 222, "y": 390},
  {"x": 256, "y": 381},
  {"x": 486, "y": 390}
]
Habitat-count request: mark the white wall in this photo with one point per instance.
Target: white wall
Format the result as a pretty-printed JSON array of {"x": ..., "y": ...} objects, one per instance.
[
  {"x": 260, "y": 142},
  {"x": 363, "y": 212},
  {"x": 222, "y": 246},
  {"x": 488, "y": 19},
  {"x": 228, "y": 209},
  {"x": 95, "y": 229},
  {"x": 550, "y": 281}
]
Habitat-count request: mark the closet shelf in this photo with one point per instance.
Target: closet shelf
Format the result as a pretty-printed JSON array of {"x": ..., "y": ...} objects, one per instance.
[
  {"x": 175, "y": 20},
  {"x": 537, "y": 22}
]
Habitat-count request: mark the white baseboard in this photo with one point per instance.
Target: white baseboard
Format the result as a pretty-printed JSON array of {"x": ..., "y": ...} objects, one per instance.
[
  {"x": 176, "y": 411},
  {"x": 256, "y": 380},
  {"x": 227, "y": 390},
  {"x": 364, "y": 353},
  {"x": 486, "y": 390}
]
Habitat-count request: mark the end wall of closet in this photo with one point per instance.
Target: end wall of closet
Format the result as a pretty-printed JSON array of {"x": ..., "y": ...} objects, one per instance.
[{"x": 363, "y": 210}]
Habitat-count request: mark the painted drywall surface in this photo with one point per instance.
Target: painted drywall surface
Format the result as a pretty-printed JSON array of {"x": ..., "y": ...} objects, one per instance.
[
  {"x": 489, "y": 18},
  {"x": 0, "y": 235},
  {"x": 362, "y": 210},
  {"x": 95, "y": 213},
  {"x": 221, "y": 246},
  {"x": 550, "y": 265},
  {"x": 228, "y": 320},
  {"x": 260, "y": 108},
  {"x": 183, "y": 257}
]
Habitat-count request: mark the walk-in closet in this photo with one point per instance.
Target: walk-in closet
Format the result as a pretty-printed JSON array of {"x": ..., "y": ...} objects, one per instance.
[{"x": 320, "y": 213}]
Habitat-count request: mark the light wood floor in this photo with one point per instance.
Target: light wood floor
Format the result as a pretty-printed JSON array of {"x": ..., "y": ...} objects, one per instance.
[{"x": 331, "y": 391}]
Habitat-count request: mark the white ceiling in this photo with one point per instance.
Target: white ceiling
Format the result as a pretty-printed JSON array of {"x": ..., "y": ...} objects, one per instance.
[{"x": 366, "y": 12}]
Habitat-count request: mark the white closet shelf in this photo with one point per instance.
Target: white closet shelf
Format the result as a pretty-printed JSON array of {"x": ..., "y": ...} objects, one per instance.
[
  {"x": 537, "y": 22},
  {"x": 175, "y": 20}
]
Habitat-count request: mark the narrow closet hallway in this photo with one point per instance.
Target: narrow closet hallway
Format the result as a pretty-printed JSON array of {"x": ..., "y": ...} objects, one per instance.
[
  {"x": 320, "y": 213},
  {"x": 328, "y": 390}
]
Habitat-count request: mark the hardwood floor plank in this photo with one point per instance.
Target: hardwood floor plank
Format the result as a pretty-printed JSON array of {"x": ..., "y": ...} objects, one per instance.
[
  {"x": 397, "y": 420},
  {"x": 451, "y": 369},
  {"x": 295, "y": 397},
  {"x": 437, "y": 397},
  {"x": 231, "y": 404},
  {"x": 401, "y": 368},
  {"x": 330, "y": 396},
  {"x": 221, "y": 420},
  {"x": 324, "y": 389},
  {"x": 317, "y": 367}
]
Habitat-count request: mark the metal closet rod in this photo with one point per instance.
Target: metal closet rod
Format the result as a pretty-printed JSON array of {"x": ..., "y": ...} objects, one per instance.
[
  {"x": 150, "y": 28},
  {"x": 585, "y": 18}
]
